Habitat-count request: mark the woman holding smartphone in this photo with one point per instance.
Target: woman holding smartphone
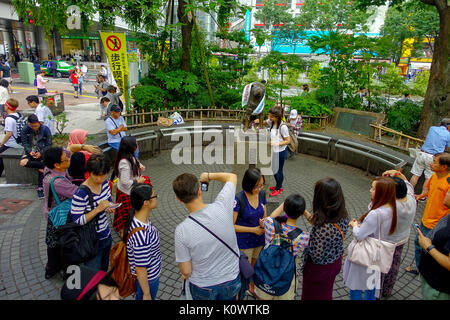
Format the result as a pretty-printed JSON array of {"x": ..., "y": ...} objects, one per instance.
[
  {"x": 128, "y": 169},
  {"x": 379, "y": 221},
  {"x": 82, "y": 212}
]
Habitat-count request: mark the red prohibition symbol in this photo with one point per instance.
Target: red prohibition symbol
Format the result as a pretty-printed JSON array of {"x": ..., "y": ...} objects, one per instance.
[{"x": 113, "y": 43}]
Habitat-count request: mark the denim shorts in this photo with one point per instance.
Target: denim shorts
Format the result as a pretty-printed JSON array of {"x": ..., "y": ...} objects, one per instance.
[{"x": 224, "y": 291}]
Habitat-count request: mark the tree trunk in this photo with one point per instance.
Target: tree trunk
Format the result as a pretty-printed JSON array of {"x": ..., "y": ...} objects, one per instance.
[
  {"x": 186, "y": 35},
  {"x": 437, "y": 98}
]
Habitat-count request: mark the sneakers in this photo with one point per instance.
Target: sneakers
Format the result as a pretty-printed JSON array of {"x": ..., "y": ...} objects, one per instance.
[
  {"x": 272, "y": 188},
  {"x": 40, "y": 193},
  {"x": 274, "y": 193}
]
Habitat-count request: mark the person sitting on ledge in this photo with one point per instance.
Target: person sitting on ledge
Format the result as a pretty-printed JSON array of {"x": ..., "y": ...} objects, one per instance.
[{"x": 36, "y": 138}]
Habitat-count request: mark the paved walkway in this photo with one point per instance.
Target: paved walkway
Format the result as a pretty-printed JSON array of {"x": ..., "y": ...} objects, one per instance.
[{"x": 22, "y": 234}]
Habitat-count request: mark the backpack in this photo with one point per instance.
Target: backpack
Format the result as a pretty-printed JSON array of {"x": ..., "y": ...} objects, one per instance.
[
  {"x": 241, "y": 200},
  {"x": 21, "y": 122},
  {"x": 79, "y": 243},
  {"x": 275, "y": 267},
  {"x": 58, "y": 215},
  {"x": 293, "y": 144},
  {"x": 120, "y": 266}
]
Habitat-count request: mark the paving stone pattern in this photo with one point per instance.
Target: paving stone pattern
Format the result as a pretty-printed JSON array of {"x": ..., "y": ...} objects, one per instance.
[{"x": 22, "y": 235}]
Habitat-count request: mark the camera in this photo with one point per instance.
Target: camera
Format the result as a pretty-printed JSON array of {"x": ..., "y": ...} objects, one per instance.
[{"x": 204, "y": 186}]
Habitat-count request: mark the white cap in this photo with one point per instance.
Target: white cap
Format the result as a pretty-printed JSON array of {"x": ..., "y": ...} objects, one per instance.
[{"x": 293, "y": 113}]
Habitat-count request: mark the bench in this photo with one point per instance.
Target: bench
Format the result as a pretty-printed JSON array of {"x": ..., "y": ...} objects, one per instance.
[
  {"x": 14, "y": 173},
  {"x": 377, "y": 161},
  {"x": 314, "y": 144}
]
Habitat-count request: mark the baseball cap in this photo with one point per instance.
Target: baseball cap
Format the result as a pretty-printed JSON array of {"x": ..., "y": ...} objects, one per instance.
[
  {"x": 293, "y": 113},
  {"x": 89, "y": 280},
  {"x": 115, "y": 108}
]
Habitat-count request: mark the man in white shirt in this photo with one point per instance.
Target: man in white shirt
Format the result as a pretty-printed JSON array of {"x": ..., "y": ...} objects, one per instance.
[
  {"x": 43, "y": 113},
  {"x": 10, "y": 130},
  {"x": 115, "y": 127},
  {"x": 211, "y": 267}
]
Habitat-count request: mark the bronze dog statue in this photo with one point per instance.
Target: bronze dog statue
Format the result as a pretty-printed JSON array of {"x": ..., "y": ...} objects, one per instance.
[{"x": 253, "y": 97}]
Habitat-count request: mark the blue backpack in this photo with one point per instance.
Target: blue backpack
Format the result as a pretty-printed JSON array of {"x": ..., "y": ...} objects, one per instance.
[
  {"x": 58, "y": 215},
  {"x": 275, "y": 267}
]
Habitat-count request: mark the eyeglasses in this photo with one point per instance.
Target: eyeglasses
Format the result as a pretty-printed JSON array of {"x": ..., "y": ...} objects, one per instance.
[
  {"x": 261, "y": 186},
  {"x": 152, "y": 197}
]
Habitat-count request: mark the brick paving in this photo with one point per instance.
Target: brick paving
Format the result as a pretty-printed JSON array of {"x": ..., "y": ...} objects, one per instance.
[{"x": 22, "y": 234}]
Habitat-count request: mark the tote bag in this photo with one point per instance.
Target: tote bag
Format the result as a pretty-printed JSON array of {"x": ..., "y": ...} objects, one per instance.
[{"x": 371, "y": 252}]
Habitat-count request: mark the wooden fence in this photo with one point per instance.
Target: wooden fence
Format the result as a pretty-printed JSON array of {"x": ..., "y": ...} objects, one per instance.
[
  {"x": 392, "y": 138},
  {"x": 142, "y": 119}
]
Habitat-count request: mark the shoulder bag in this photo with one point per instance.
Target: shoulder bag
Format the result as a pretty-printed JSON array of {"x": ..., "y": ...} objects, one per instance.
[
  {"x": 246, "y": 270},
  {"x": 79, "y": 243},
  {"x": 371, "y": 252}
]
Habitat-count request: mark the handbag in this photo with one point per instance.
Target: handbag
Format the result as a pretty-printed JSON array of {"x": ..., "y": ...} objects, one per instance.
[
  {"x": 372, "y": 252},
  {"x": 79, "y": 243},
  {"x": 246, "y": 270},
  {"x": 58, "y": 215}
]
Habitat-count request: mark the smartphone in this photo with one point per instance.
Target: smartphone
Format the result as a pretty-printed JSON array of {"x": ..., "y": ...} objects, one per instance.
[
  {"x": 114, "y": 205},
  {"x": 204, "y": 186},
  {"x": 415, "y": 225}
]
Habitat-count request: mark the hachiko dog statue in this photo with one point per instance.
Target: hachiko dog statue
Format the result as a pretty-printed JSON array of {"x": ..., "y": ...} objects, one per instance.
[{"x": 253, "y": 97}]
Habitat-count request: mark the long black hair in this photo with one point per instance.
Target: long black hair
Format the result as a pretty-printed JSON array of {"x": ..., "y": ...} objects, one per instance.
[
  {"x": 127, "y": 147},
  {"x": 328, "y": 202},
  {"x": 139, "y": 193},
  {"x": 294, "y": 206}
]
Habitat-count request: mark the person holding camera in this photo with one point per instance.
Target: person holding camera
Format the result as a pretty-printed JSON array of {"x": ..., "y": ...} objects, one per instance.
[{"x": 211, "y": 267}]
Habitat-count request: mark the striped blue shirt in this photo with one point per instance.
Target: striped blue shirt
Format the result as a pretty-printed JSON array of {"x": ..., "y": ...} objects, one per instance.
[
  {"x": 143, "y": 249},
  {"x": 81, "y": 206}
]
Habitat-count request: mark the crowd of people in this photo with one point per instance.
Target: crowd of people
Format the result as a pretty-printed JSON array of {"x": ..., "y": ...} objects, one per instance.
[{"x": 208, "y": 242}]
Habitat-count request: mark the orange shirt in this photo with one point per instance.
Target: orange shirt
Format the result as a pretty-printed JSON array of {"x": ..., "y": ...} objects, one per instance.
[{"x": 435, "y": 209}]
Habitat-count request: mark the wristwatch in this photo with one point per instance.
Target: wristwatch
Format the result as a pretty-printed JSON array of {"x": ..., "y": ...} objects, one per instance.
[
  {"x": 431, "y": 247},
  {"x": 82, "y": 146}
]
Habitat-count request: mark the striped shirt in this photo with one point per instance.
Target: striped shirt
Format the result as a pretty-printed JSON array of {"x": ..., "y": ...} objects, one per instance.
[
  {"x": 81, "y": 206},
  {"x": 143, "y": 249},
  {"x": 302, "y": 240}
]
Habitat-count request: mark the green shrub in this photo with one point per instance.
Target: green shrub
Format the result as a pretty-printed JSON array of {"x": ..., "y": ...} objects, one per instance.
[
  {"x": 308, "y": 106},
  {"x": 314, "y": 74},
  {"x": 325, "y": 96},
  {"x": 405, "y": 117},
  {"x": 421, "y": 83},
  {"x": 148, "y": 97}
]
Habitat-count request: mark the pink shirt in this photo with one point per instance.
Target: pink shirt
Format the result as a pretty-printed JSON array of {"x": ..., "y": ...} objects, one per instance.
[{"x": 40, "y": 82}]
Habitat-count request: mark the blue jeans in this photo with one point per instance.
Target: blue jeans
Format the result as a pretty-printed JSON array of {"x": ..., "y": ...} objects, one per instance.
[
  {"x": 153, "y": 284},
  {"x": 279, "y": 176},
  {"x": 418, "y": 249},
  {"x": 101, "y": 260},
  {"x": 358, "y": 294},
  {"x": 80, "y": 85},
  {"x": 224, "y": 291}
]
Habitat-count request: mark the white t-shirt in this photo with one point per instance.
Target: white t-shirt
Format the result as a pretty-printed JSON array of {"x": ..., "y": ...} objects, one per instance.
[
  {"x": 43, "y": 113},
  {"x": 277, "y": 134},
  {"x": 112, "y": 124},
  {"x": 212, "y": 262},
  {"x": 4, "y": 96},
  {"x": 11, "y": 125}
]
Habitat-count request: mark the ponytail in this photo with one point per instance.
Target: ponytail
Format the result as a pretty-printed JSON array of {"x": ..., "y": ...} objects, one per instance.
[{"x": 128, "y": 225}]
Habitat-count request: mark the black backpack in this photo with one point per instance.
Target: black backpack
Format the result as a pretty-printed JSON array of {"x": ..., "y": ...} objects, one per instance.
[
  {"x": 79, "y": 243},
  {"x": 21, "y": 122}
]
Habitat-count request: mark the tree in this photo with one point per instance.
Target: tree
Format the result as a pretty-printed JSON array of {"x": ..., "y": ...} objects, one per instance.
[
  {"x": 412, "y": 20},
  {"x": 437, "y": 98}
]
